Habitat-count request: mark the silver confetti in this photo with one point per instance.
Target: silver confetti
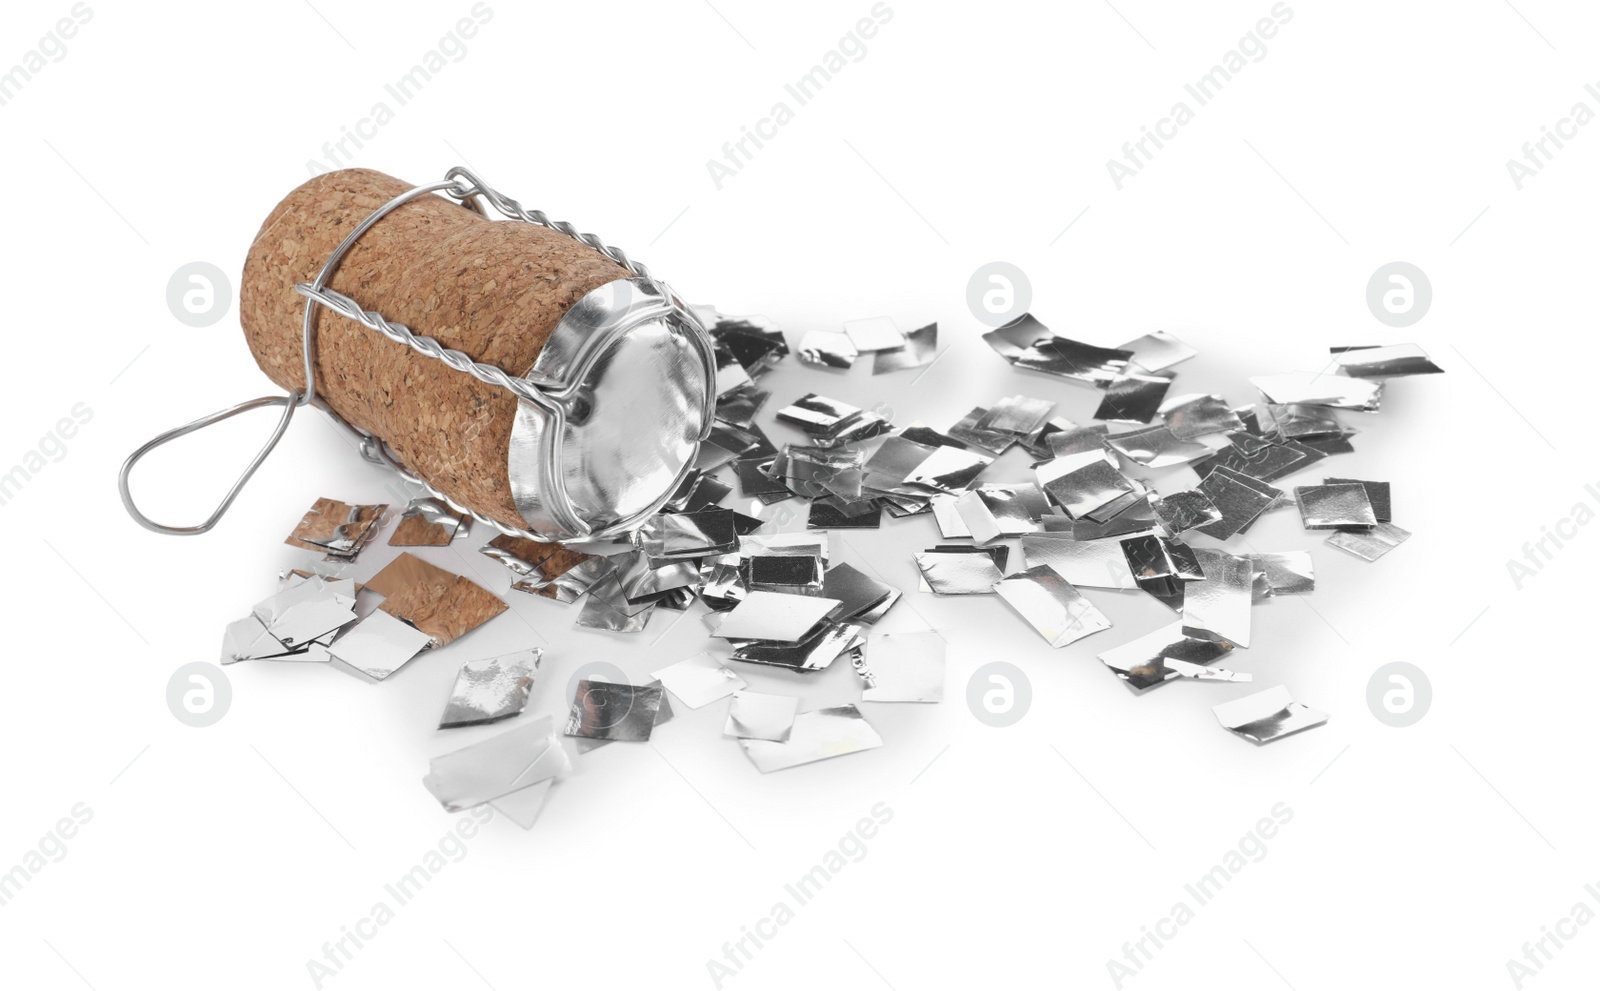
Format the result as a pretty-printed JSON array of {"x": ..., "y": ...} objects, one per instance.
[
  {"x": 491, "y": 689},
  {"x": 1267, "y": 716},
  {"x": 699, "y": 680},
  {"x": 1052, "y": 606}
]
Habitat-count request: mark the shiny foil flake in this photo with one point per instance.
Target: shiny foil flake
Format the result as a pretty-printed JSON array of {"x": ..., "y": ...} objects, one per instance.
[
  {"x": 1314, "y": 389},
  {"x": 754, "y": 340},
  {"x": 1337, "y": 506},
  {"x": 1018, "y": 415},
  {"x": 1217, "y": 607},
  {"x": 894, "y": 460},
  {"x": 337, "y": 529},
  {"x": 905, "y": 667},
  {"x": 1370, "y": 544},
  {"x": 1240, "y": 499},
  {"x": 608, "y": 609},
  {"x": 827, "y": 349},
  {"x": 379, "y": 645},
  {"x": 1156, "y": 447},
  {"x": 949, "y": 469},
  {"x": 862, "y": 598},
  {"x": 760, "y": 716},
  {"x": 800, "y": 544},
  {"x": 958, "y": 571},
  {"x": 501, "y": 765},
  {"x": 1083, "y": 484},
  {"x": 815, "y": 652},
  {"x": 429, "y": 523},
  {"x": 1090, "y": 563},
  {"x": 824, "y": 515},
  {"x": 490, "y": 690},
  {"x": 1027, "y": 343},
  {"x": 680, "y": 536},
  {"x": 995, "y": 511},
  {"x": 815, "y": 735},
  {"x": 1077, "y": 440},
  {"x": 1052, "y": 606},
  {"x": 1259, "y": 458},
  {"x": 1133, "y": 397},
  {"x": 1184, "y": 510},
  {"x": 1267, "y": 716},
  {"x": 699, "y": 680},
  {"x": 967, "y": 431},
  {"x": 1196, "y": 415},
  {"x": 818, "y": 415},
  {"x": 606, "y": 711},
  {"x": 1377, "y": 495},
  {"x": 306, "y": 610},
  {"x": 775, "y": 616},
  {"x": 1391, "y": 361},
  {"x": 1163, "y": 655},
  {"x": 1300, "y": 422},
  {"x": 1158, "y": 350},
  {"x": 874, "y": 334},
  {"x": 731, "y": 375},
  {"x": 918, "y": 351},
  {"x": 948, "y": 518},
  {"x": 756, "y": 481},
  {"x": 1138, "y": 517},
  {"x": 1286, "y": 572},
  {"x": 740, "y": 406},
  {"x": 791, "y": 573}
]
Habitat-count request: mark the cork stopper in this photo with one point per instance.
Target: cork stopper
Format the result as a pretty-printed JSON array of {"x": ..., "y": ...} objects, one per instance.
[{"x": 493, "y": 290}]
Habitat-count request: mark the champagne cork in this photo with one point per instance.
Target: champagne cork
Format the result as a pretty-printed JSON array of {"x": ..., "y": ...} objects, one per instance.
[{"x": 493, "y": 290}]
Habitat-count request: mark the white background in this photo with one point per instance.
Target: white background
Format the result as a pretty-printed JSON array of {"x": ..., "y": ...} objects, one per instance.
[{"x": 228, "y": 856}]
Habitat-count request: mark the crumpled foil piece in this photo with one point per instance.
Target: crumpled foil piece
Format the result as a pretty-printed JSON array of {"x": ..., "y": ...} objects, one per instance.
[
  {"x": 1267, "y": 716},
  {"x": 958, "y": 571},
  {"x": 1163, "y": 655},
  {"x": 491, "y": 689},
  {"x": 1331, "y": 507}
]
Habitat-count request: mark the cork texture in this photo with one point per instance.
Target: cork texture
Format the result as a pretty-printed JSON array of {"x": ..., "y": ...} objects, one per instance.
[{"x": 494, "y": 290}]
